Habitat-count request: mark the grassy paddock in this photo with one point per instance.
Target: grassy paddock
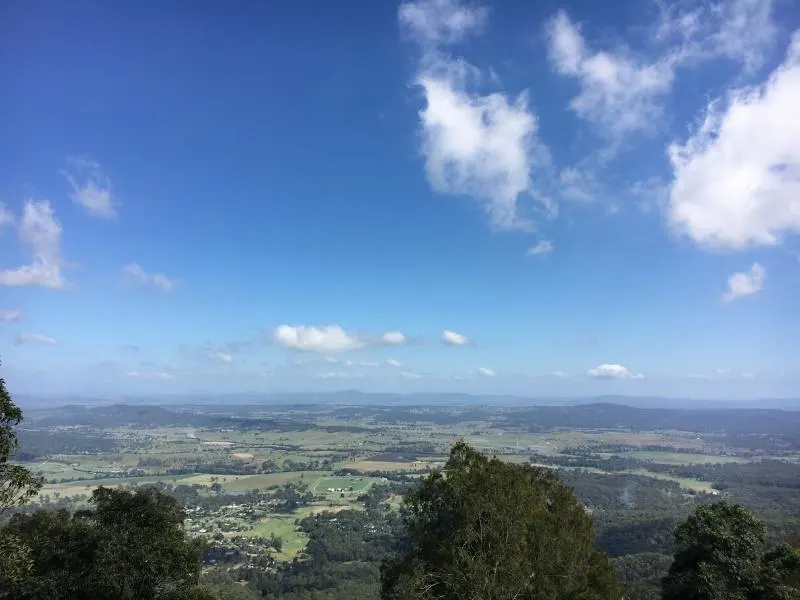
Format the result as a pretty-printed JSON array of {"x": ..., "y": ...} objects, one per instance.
[
  {"x": 681, "y": 458},
  {"x": 385, "y": 465},
  {"x": 357, "y": 483}
]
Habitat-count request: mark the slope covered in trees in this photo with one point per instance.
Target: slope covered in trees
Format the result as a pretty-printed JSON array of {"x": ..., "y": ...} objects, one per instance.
[{"x": 492, "y": 530}]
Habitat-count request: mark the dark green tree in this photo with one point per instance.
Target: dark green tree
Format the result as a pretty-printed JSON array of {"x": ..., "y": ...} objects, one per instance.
[
  {"x": 780, "y": 574},
  {"x": 486, "y": 529},
  {"x": 17, "y": 484},
  {"x": 129, "y": 545},
  {"x": 721, "y": 556}
]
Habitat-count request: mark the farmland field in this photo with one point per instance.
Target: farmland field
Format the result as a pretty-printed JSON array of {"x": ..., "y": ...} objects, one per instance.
[
  {"x": 262, "y": 483},
  {"x": 683, "y": 458},
  {"x": 349, "y": 485}
]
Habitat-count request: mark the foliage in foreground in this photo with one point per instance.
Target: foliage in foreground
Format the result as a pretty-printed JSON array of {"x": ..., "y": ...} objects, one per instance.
[
  {"x": 128, "y": 546},
  {"x": 493, "y": 530},
  {"x": 17, "y": 484},
  {"x": 722, "y": 556}
]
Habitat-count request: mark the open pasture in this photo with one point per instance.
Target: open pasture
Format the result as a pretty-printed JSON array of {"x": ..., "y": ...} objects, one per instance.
[
  {"x": 681, "y": 458},
  {"x": 352, "y": 484}
]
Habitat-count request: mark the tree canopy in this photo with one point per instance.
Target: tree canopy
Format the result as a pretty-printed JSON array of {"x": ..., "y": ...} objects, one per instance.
[
  {"x": 722, "y": 556},
  {"x": 129, "y": 545},
  {"x": 486, "y": 529},
  {"x": 17, "y": 485},
  {"x": 16, "y": 482}
]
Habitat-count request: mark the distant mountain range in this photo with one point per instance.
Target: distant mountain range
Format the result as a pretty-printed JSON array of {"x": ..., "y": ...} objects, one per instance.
[{"x": 355, "y": 397}]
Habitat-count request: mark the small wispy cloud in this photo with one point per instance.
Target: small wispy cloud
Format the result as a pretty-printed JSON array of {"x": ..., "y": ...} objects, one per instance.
[
  {"x": 740, "y": 30},
  {"x": 393, "y": 362},
  {"x": 393, "y": 338},
  {"x": 338, "y": 375},
  {"x": 543, "y": 247},
  {"x": 219, "y": 356},
  {"x": 6, "y": 217},
  {"x": 452, "y": 338},
  {"x": 486, "y": 372},
  {"x": 10, "y": 315},
  {"x": 619, "y": 93},
  {"x": 411, "y": 375},
  {"x": 35, "y": 338},
  {"x": 577, "y": 185},
  {"x": 622, "y": 93},
  {"x": 133, "y": 273},
  {"x": 150, "y": 375},
  {"x": 612, "y": 371},
  {"x": 745, "y": 283},
  {"x": 440, "y": 22},
  {"x": 91, "y": 187}
]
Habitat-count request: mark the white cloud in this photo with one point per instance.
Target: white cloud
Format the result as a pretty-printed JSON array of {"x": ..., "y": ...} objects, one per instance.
[
  {"x": 6, "y": 217},
  {"x": 439, "y": 22},
  {"x": 452, "y": 338},
  {"x": 352, "y": 363},
  {"x": 737, "y": 179},
  {"x": 608, "y": 371},
  {"x": 559, "y": 374},
  {"x": 483, "y": 146},
  {"x": 650, "y": 194},
  {"x": 222, "y": 357},
  {"x": 330, "y": 338},
  {"x": 618, "y": 92},
  {"x": 486, "y": 372},
  {"x": 622, "y": 93},
  {"x": 91, "y": 188},
  {"x": 10, "y": 315},
  {"x": 41, "y": 233},
  {"x": 393, "y": 363},
  {"x": 479, "y": 146},
  {"x": 338, "y": 375},
  {"x": 394, "y": 338},
  {"x": 745, "y": 283},
  {"x": 151, "y": 376},
  {"x": 134, "y": 273},
  {"x": 576, "y": 185},
  {"x": 543, "y": 247},
  {"x": 740, "y": 30},
  {"x": 35, "y": 338},
  {"x": 410, "y": 375}
]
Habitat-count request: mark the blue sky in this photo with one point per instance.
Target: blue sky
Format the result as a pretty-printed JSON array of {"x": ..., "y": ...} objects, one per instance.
[{"x": 536, "y": 198}]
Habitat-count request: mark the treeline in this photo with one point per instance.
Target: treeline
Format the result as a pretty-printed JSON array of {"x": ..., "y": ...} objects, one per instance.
[
  {"x": 126, "y": 546},
  {"x": 38, "y": 444},
  {"x": 284, "y": 498},
  {"x": 769, "y": 487}
]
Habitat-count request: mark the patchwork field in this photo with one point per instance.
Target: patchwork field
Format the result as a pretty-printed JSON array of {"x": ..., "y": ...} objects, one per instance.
[
  {"x": 314, "y": 460},
  {"x": 337, "y": 485},
  {"x": 683, "y": 458}
]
